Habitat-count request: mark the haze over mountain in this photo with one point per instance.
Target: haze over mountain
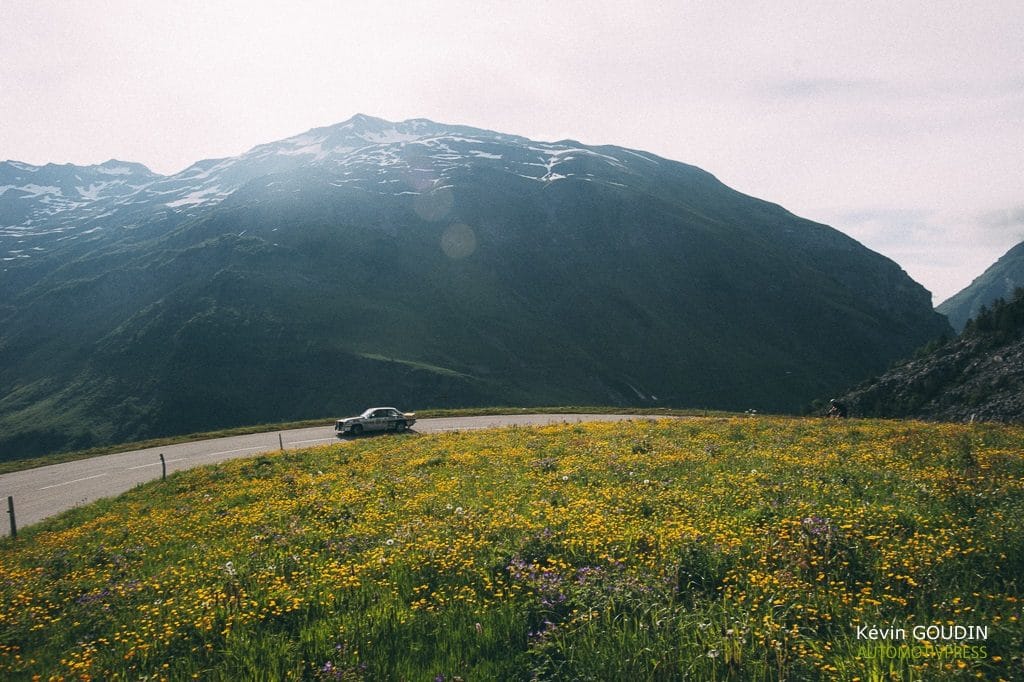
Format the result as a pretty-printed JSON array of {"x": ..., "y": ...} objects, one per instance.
[
  {"x": 419, "y": 264},
  {"x": 999, "y": 280}
]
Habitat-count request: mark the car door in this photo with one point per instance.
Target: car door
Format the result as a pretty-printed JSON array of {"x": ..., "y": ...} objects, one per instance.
[{"x": 377, "y": 421}]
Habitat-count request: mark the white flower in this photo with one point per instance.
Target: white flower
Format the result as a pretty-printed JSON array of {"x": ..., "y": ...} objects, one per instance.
[
  {"x": 565, "y": 478},
  {"x": 390, "y": 541},
  {"x": 458, "y": 510}
]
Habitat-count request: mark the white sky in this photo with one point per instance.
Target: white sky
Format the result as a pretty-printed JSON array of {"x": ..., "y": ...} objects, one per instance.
[{"x": 899, "y": 123}]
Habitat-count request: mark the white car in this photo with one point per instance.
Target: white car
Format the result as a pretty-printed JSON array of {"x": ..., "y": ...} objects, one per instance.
[{"x": 376, "y": 419}]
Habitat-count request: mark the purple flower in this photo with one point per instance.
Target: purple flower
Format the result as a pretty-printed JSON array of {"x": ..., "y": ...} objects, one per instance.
[
  {"x": 818, "y": 527},
  {"x": 93, "y": 597}
]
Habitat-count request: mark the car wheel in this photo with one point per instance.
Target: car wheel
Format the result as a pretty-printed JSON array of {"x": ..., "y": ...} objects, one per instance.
[
  {"x": 357, "y": 429},
  {"x": 400, "y": 426}
]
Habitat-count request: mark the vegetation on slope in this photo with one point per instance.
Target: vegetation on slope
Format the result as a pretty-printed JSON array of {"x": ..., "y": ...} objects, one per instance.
[
  {"x": 976, "y": 376},
  {"x": 631, "y": 281},
  {"x": 743, "y": 549},
  {"x": 997, "y": 282}
]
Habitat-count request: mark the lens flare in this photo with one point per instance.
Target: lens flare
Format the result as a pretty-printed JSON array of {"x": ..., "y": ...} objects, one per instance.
[
  {"x": 434, "y": 206},
  {"x": 458, "y": 241}
]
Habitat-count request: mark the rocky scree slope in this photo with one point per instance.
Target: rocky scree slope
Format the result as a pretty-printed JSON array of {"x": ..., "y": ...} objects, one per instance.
[{"x": 976, "y": 376}]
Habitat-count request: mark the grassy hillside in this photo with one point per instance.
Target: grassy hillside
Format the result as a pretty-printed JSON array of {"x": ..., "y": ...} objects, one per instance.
[
  {"x": 316, "y": 289},
  {"x": 744, "y": 548}
]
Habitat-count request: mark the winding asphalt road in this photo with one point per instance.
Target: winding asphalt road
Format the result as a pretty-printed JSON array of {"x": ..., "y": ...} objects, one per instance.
[{"x": 45, "y": 491}]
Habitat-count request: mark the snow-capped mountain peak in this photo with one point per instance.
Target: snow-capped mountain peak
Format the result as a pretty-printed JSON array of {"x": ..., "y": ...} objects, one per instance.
[{"x": 364, "y": 152}]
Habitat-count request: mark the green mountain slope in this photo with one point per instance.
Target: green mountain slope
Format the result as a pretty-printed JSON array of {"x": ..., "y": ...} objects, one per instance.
[
  {"x": 998, "y": 281},
  {"x": 437, "y": 266}
]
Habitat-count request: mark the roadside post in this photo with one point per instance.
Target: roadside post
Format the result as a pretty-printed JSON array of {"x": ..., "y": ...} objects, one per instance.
[
  {"x": 10, "y": 510},
  {"x": 280, "y": 441},
  {"x": 163, "y": 467}
]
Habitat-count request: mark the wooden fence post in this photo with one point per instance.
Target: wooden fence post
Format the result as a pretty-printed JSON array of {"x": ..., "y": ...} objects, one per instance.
[
  {"x": 10, "y": 510},
  {"x": 280, "y": 441}
]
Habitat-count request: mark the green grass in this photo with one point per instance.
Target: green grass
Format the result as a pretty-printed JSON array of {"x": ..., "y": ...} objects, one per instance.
[{"x": 712, "y": 549}]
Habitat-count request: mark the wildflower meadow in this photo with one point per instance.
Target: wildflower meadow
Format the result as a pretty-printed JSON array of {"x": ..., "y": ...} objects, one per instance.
[{"x": 750, "y": 548}]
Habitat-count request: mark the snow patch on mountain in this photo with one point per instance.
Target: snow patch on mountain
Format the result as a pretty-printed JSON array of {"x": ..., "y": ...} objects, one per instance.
[
  {"x": 389, "y": 137},
  {"x": 22, "y": 166},
  {"x": 92, "y": 192},
  {"x": 38, "y": 190},
  {"x": 367, "y": 153},
  {"x": 198, "y": 172},
  {"x": 114, "y": 170},
  {"x": 642, "y": 156},
  {"x": 201, "y": 196}
]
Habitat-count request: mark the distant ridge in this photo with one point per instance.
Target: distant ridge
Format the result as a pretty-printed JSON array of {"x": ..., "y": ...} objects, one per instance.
[{"x": 998, "y": 281}]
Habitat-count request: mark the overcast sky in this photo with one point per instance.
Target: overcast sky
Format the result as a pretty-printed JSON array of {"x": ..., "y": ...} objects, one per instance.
[{"x": 899, "y": 123}]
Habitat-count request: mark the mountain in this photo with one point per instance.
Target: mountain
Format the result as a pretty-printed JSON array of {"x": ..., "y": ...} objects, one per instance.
[
  {"x": 976, "y": 376},
  {"x": 41, "y": 201},
  {"x": 998, "y": 281},
  {"x": 419, "y": 264}
]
